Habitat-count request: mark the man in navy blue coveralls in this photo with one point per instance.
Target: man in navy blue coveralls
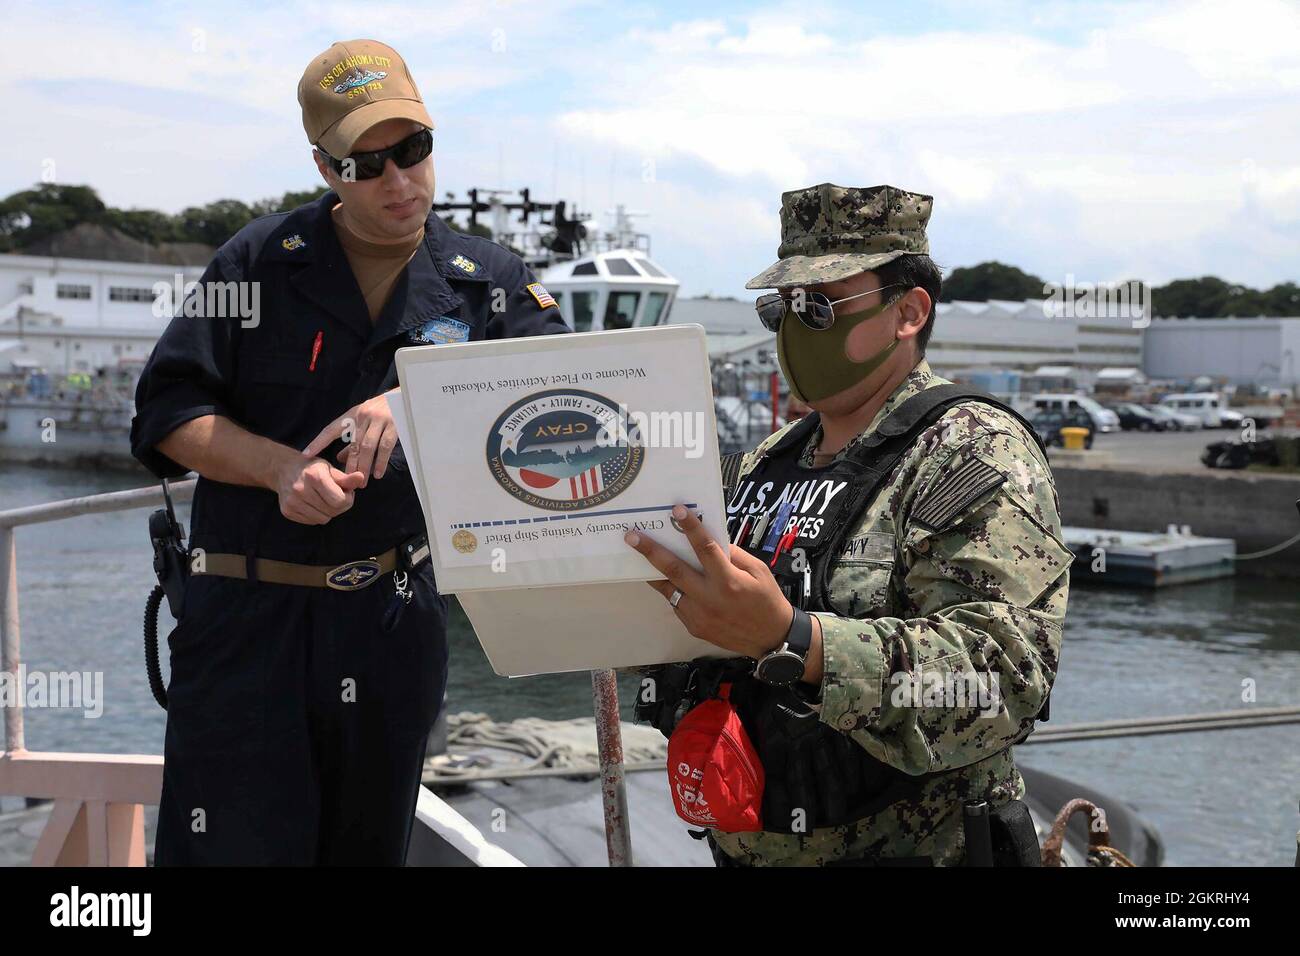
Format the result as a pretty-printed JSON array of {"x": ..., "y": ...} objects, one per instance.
[{"x": 297, "y": 714}]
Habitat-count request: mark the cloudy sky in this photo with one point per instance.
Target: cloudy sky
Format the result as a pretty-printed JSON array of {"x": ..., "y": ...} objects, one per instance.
[{"x": 1100, "y": 140}]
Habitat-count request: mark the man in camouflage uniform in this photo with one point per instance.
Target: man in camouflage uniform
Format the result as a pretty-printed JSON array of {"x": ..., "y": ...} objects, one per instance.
[{"x": 954, "y": 573}]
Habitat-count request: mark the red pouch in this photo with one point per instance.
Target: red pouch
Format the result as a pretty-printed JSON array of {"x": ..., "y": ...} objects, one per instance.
[{"x": 713, "y": 769}]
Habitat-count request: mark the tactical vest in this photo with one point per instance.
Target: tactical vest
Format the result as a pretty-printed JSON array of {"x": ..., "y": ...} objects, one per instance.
[{"x": 816, "y": 776}]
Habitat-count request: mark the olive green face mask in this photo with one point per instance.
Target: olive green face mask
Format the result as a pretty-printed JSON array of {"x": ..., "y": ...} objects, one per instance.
[{"x": 813, "y": 360}]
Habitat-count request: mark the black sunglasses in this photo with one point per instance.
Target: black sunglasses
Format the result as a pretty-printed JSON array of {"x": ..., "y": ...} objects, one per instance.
[
  {"x": 405, "y": 154},
  {"x": 815, "y": 310}
]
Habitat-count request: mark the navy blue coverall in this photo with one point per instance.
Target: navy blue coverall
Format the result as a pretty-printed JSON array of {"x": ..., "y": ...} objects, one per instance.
[{"x": 296, "y": 725}]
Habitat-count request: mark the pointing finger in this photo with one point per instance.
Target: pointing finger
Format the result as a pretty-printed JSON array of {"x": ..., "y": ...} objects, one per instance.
[{"x": 328, "y": 434}]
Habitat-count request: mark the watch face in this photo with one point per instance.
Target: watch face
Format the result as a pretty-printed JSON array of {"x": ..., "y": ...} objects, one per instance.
[{"x": 781, "y": 669}]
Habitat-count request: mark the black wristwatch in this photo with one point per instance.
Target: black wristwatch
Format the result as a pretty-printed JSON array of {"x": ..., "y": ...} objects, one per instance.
[{"x": 784, "y": 666}]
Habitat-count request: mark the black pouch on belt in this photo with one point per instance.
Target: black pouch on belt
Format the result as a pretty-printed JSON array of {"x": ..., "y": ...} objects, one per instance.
[
  {"x": 411, "y": 553},
  {"x": 1015, "y": 842}
]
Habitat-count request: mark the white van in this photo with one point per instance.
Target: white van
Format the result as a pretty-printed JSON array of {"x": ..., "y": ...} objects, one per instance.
[
  {"x": 1205, "y": 406},
  {"x": 1103, "y": 418}
]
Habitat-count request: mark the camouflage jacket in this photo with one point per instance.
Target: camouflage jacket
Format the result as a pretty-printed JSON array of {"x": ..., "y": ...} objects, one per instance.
[{"x": 949, "y": 601}]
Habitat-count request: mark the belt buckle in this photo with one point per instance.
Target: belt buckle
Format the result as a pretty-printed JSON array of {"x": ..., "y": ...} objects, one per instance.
[{"x": 353, "y": 576}]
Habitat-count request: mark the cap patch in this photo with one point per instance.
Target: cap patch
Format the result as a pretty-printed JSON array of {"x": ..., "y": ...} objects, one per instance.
[{"x": 358, "y": 78}]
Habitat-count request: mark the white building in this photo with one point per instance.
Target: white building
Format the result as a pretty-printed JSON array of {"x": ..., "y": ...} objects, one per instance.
[
  {"x": 972, "y": 335},
  {"x": 80, "y": 315},
  {"x": 1243, "y": 351}
]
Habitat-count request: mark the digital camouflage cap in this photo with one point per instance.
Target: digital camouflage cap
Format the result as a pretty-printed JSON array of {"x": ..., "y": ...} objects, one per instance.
[{"x": 831, "y": 232}]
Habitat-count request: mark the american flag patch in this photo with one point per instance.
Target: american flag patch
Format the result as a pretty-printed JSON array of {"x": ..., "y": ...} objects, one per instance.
[
  {"x": 969, "y": 482},
  {"x": 539, "y": 292}
]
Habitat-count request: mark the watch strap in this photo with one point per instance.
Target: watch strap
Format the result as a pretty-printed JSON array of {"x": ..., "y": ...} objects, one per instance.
[{"x": 799, "y": 638}]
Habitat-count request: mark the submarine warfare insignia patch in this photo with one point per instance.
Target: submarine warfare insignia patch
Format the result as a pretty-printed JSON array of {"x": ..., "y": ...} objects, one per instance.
[
  {"x": 357, "y": 78},
  {"x": 464, "y": 541},
  {"x": 464, "y": 264},
  {"x": 293, "y": 243},
  {"x": 352, "y": 576},
  {"x": 544, "y": 299},
  {"x": 565, "y": 450},
  {"x": 440, "y": 331}
]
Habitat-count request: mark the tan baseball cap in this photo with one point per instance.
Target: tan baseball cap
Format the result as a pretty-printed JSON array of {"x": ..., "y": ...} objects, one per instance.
[{"x": 352, "y": 86}]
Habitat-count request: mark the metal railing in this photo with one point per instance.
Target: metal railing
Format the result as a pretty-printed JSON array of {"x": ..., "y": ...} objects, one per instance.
[
  {"x": 98, "y": 814},
  {"x": 10, "y": 631}
]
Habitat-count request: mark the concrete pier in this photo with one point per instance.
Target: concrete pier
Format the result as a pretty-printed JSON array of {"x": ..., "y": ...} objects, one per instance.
[{"x": 1257, "y": 510}]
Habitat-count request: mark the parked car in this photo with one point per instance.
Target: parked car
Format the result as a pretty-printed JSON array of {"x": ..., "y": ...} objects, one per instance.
[
  {"x": 1237, "y": 454},
  {"x": 1099, "y": 419},
  {"x": 1178, "y": 421},
  {"x": 1048, "y": 425},
  {"x": 1136, "y": 418},
  {"x": 1205, "y": 406},
  {"x": 1230, "y": 418}
]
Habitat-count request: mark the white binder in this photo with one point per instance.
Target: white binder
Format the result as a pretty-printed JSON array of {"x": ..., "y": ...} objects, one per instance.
[{"x": 531, "y": 456}]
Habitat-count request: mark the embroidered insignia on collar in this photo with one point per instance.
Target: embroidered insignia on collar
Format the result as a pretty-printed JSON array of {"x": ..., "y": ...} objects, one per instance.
[
  {"x": 464, "y": 264},
  {"x": 293, "y": 243}
]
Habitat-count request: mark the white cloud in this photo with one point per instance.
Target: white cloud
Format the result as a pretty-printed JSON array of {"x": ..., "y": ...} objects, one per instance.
[
  {"x": 1154, "y": 139},
  {"x": 1120, "y": 146}
]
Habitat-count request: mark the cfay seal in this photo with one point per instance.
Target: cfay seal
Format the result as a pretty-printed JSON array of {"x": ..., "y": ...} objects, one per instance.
[{"x": 564, "y": 450}]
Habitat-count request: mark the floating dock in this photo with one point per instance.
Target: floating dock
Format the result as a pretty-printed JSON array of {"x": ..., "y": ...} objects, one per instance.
[{"x": 1143, "y": 559}]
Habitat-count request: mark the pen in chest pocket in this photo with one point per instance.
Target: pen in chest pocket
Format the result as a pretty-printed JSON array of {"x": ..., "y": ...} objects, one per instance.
[{"x": 315, "y": 350}]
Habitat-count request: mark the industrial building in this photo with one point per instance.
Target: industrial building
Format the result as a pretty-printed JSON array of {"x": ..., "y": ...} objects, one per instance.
[
  {"x": 968, "y": 336},
  {"x": 1258, "y": 351}
]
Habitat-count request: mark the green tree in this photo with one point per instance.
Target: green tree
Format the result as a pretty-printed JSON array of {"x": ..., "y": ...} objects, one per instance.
[
  {"x": 990, "y": 280},
  {"x": 44, "y": 211},
  {"x": 1283, "y": 299},
  {"x": 214, "y": 223},
  {"x": 147, "y": 225},
  {"x": 48, "y": 209},
  {"x": 1188, "y": 298},
  {"x": 288, "y": 202}
]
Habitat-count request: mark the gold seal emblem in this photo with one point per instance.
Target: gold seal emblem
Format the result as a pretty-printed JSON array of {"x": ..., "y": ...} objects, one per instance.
[{"x": 464, "y": 541}]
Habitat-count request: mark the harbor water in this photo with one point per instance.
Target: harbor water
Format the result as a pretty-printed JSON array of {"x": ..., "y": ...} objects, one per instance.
[{"x": 1222, "y": 798}]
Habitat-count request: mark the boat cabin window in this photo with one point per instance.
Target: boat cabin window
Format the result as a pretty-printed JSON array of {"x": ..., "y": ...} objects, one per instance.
[
  {"x": 651, "y": 269},
  {"x": 620, "y": 267},
  {"x": 654, "y": 307},
  {"x": 585, "y": 269},
  {"x": 583, "y": 307},
  {"x": 621, "y": 309}
]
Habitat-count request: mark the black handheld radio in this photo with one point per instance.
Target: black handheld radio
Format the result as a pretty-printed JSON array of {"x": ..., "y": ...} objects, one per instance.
[{"x": 171, "y": 564}]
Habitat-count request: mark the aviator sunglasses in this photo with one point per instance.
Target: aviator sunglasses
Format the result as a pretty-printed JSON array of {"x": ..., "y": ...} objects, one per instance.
[
  {"x": 371, "y": 165},
  {"x": 814, "y": 310}
]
